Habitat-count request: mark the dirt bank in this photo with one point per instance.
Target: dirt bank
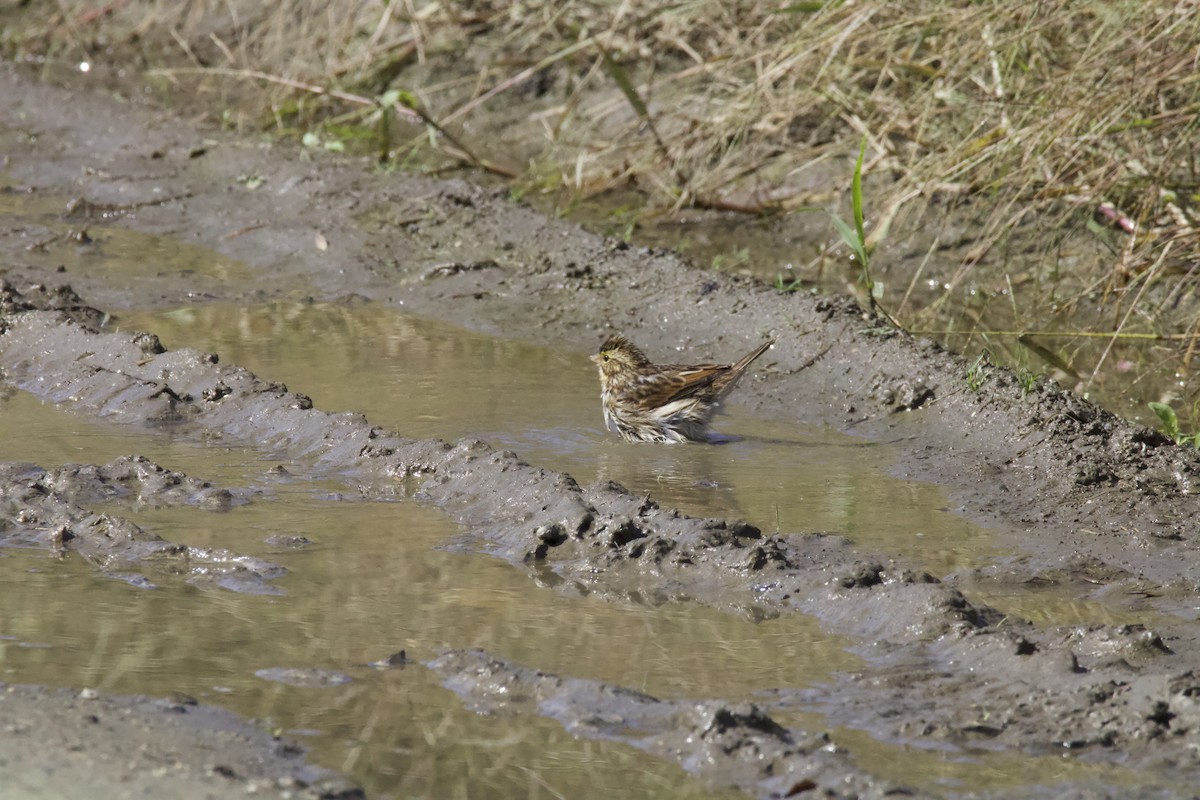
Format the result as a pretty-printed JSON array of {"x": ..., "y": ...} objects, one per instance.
[{"x": 1085, "y": 500}]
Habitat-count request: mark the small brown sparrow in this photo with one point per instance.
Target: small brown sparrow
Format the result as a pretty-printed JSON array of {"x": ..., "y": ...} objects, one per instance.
[{"x": 670, "y": 403}]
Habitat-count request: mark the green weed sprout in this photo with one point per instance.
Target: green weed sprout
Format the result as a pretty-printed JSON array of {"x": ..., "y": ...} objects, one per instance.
[
  {"x": 856, "y": 238},
  {"x": 1170, "y": 423}
]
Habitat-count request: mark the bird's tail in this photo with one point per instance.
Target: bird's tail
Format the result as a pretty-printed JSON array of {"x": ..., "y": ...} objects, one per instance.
[
  {"x": 726, "y": 382},
  {"x": 745, "y": 360}
]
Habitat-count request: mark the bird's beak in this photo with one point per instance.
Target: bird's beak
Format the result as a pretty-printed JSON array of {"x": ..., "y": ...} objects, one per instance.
[{"x": 594, "y": 358}]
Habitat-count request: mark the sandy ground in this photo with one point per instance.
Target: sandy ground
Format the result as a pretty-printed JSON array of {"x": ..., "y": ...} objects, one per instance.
[{"x": 1088, "y": 501}]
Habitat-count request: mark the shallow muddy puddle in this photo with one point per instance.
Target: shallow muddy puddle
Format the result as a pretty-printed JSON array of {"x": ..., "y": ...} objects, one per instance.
[
  {"x": 425, "y": 378},
  {"x": 397, "y": 732},
  {"x": 950, "y": 771},
  {"x": 371, "y": 580},
  {"x": 38, "y": 432},
  {"x": 368, "y": 579},
  {"x": 1061, "y": 605},
  {"x": 982, "y": 770}
]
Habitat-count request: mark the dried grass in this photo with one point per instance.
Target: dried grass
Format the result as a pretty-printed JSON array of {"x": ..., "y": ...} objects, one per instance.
[{"x": 1038, "y": 107}]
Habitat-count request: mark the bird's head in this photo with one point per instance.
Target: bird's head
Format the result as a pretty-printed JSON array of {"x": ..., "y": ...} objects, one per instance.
[{"x": 618, "y": 354}]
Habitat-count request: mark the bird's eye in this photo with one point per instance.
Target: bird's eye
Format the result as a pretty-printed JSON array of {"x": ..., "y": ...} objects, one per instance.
[{"x": 605, "y": 356}]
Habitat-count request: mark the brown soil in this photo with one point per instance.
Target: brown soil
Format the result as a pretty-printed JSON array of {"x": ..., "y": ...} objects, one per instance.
[{"x": 1089, "y": 502}]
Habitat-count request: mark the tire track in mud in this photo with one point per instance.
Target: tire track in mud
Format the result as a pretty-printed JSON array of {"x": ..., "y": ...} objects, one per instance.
[{"x": 939, "y": 668}]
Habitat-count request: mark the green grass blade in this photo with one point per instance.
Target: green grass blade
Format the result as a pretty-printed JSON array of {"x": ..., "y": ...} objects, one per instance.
[
  {"x": 856, "y": 199},
  {"x": 621, "y": 77},
  {"x": 1048, "y": 355}
]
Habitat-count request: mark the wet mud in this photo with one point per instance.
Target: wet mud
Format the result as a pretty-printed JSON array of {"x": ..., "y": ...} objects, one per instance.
[
  {"x": 1087, "y": 503},
  {"x": 737, "y": 744},
  {"x": 114, "y": 746},
  {"x": 54, "y": 508}
]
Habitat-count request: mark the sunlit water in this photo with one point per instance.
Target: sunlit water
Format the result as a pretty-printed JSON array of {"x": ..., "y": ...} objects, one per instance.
[{"x": 372, "y": 580}]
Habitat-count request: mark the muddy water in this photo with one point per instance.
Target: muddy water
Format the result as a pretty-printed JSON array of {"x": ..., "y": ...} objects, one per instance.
[
  {"x": 980, "y": 771},
  {"x": 429, "y": 379},
  {"x": 33, "y": 431},
  {"x": 370, "y": 582},
  {"x": 426, "y": 378},
  {"x": 75, "y": 235}
]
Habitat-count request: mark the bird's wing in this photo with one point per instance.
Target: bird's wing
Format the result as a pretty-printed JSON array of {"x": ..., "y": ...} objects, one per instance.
[{"x": 677, "y": 383}]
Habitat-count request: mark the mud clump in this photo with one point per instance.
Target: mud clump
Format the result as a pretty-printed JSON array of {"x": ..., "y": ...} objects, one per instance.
[
  {"x": 731, "y": 744},
  {"x": 47, "y": 508},
  {"x": 138, "y": 481}
]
